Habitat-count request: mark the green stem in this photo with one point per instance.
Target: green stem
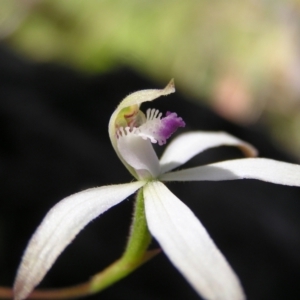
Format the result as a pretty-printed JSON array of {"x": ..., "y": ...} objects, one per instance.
[
  {"x": 134, "y": 256},
  {"x": 140, "y": 237}
]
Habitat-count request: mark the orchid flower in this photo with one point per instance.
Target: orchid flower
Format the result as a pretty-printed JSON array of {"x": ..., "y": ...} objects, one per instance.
[{"x": 177, "y": 230}]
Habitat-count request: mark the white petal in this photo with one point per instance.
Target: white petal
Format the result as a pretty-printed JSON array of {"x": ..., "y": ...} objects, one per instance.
[
  {"x": 187, "y": 145},
  {"x": 140, "y": 155},
  {"x": 247, "y": 168},
  {"x": 188, "y": 245},
  {"x": 61, "y": 224}
]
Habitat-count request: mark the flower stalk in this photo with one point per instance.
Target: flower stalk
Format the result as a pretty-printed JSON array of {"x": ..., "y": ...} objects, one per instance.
[
  {"x": 140, "y": 237},
  {"x": 135, "y": 253}
]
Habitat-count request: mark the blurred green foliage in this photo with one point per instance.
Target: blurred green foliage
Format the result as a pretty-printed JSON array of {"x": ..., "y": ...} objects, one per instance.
[{"x": 244, "y": 56}]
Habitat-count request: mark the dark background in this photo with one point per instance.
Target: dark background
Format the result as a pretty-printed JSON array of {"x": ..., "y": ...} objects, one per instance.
[{"x": 54, "y": 142}]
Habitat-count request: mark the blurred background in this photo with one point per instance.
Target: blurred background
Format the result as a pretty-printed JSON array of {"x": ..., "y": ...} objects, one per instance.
[{"x": 243, "y": 57}]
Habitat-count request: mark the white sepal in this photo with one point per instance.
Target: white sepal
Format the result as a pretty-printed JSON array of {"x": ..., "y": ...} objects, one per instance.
[
  {"x": 187, "y": 244},
  {"x": 187, "y": 145},
  {"x": 246, "y": 168},
  {"x": 60, "y": 226}
]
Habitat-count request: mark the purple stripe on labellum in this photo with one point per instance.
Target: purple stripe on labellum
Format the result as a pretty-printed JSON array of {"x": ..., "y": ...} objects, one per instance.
[
  {"x": 155, "y": 128},
  {"x": 158, "y": 129},
  {"x": 169, "y": 124}
]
